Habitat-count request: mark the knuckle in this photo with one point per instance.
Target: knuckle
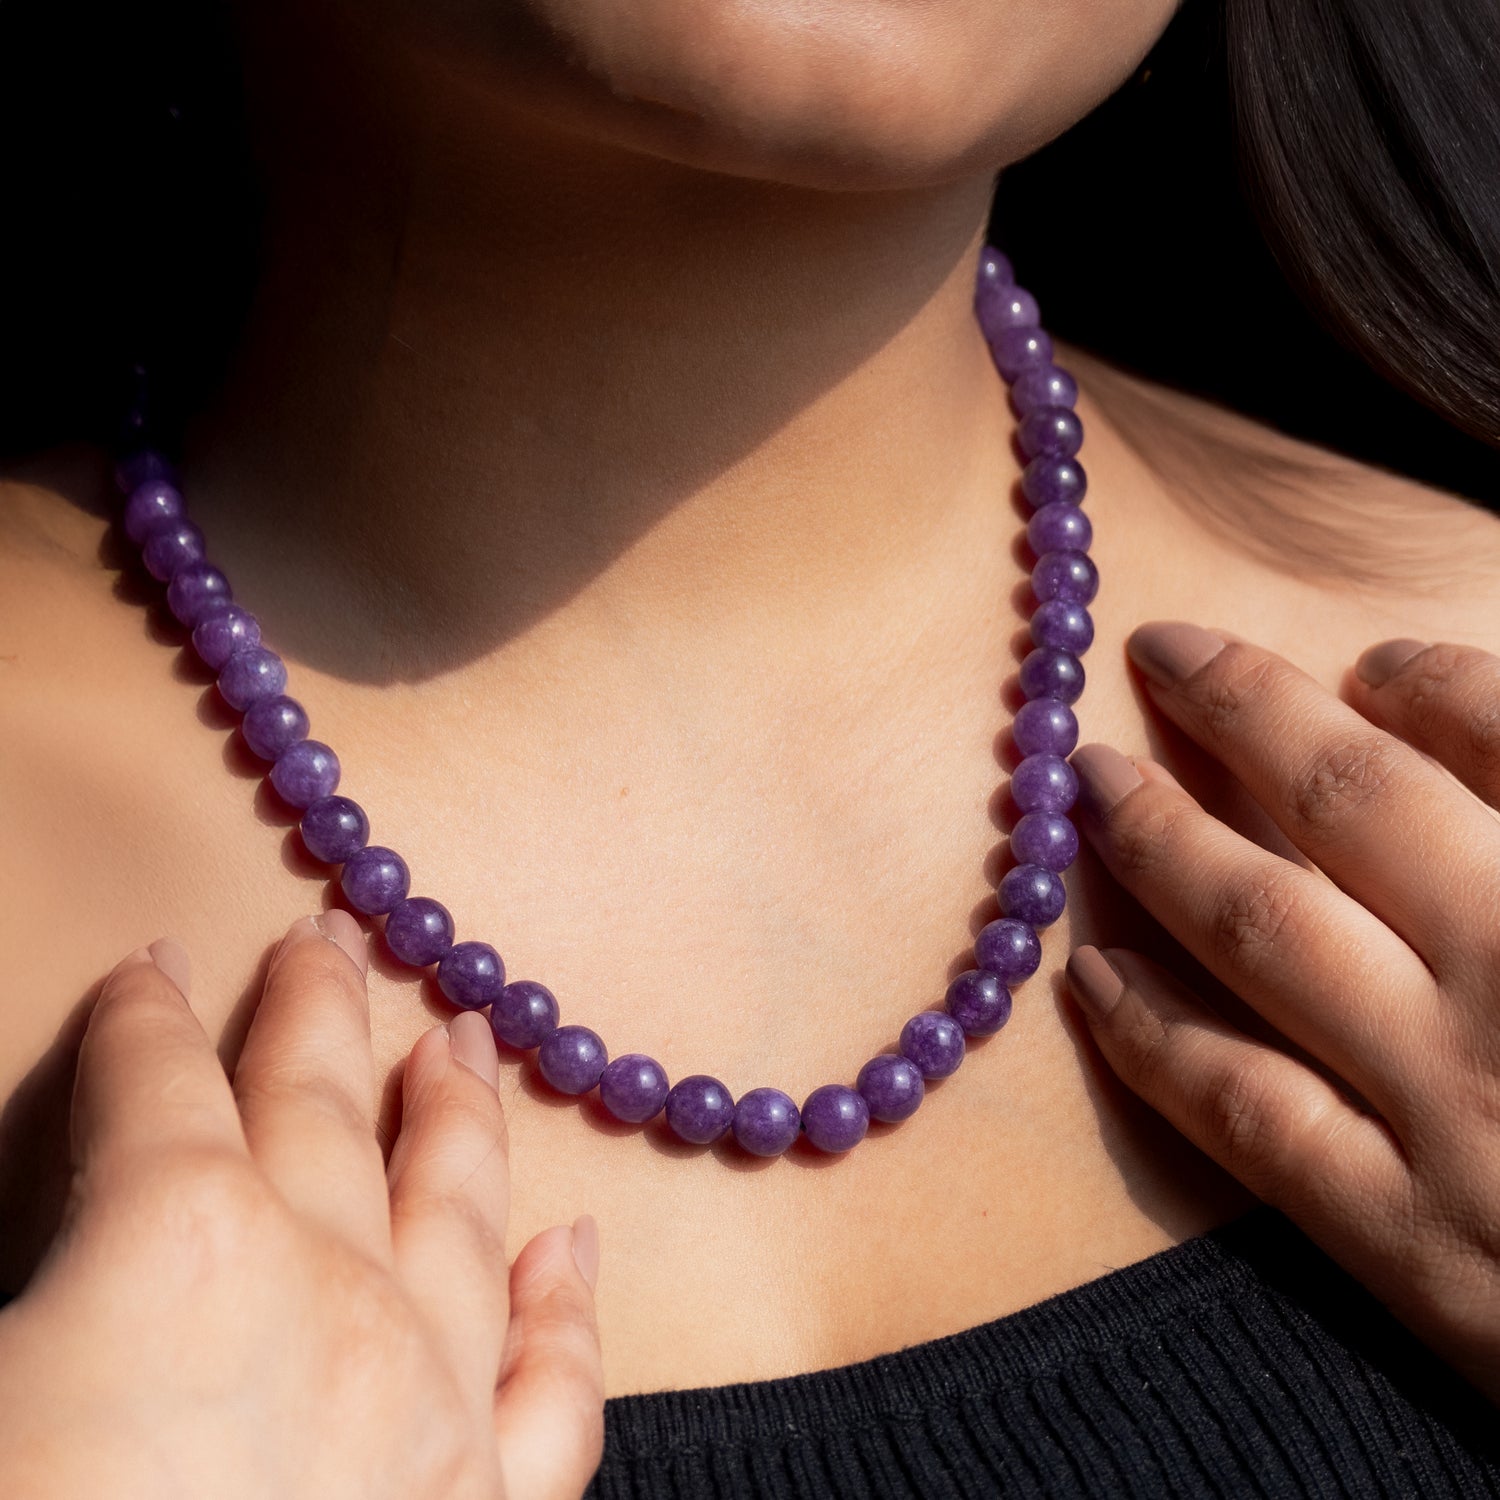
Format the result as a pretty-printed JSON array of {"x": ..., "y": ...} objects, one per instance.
[
  {"x": 1250, "y": 926},
  {"x": 312, "y": 1089},
  {"x": 1145, "y": 838},
  {"x": 1238, "y": 676},
  {"x": 1240, "y": 1113},
  {"x": 1343, "y": 780}
]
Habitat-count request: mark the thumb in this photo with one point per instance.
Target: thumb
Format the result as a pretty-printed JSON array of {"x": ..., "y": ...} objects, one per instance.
[{"x": 549, "y": 1408}]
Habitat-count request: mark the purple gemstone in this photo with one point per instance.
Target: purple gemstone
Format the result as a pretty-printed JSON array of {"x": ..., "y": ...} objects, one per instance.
[
  {"x": 1045, "y": 839},
  {"x": 572, "y": 1059},
  {"x": 1050, "y": 673},
  {"x": 1054, "y": 431},
  {"x": 1044, "y": 783},
  {"x": 171, "y": 545},
  {"x": 1063, "y": 625},
  {"x": 1019, "y": 349},
  {"x": 699, "y": 1109},
  {"x": 1032, "y": 895},
  {"x": 891, "y": 1085},
  {"x": 250, "y": 675},
  {"x": 222, "y": 632},
  {"x": 1009, "y": 949},
  {"x": 524, "y": 1014},
  {"x": 375, "y": 879},
  {"x": 1043, "y": 385},
  {"x": 835, "y": 1117},
  {"x": 273, "y": 725},
  {"x": 766, "y": 1122},
  {"x": 333, "y": 828},
  {"x": 1045, "y": 726},
  {"x": 979, "y": 1002},
  {"x": 1001, "y": 307},
  {"x": 135, "y": 469},
  {"x": 1050, "y": 481},
  {"x": 633, "y": 1088},
  {"x": 471, "y": 975},
  {"x": 1059, "y": 528},
  {"x": 934, "y": 1042},
  {"x": 1065, "y": 575},
  {"x": 419, "y": 931},
  {"x": 196, "y": 591},
  {"x": 151, "y": 504},
  {"x": 306, "y": 771},
  {"x": 994, "y": 269}
]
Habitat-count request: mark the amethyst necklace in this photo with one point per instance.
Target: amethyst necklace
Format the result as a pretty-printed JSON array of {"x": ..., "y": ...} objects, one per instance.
[{"x": 523, "y": 1013}]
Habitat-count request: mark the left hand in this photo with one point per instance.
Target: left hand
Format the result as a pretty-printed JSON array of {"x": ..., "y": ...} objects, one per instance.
[{"x": 1375, "y": 1123}]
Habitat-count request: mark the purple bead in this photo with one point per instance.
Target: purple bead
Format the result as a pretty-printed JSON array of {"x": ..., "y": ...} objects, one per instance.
[
  {"x": 572, "y": 1059},
  {"x": 250, "y": 675},
  {"x": 273, "y": 725},
  {"x": 135, "y": 469},
  {"x": 1051, "y": 481},
  {"x": 1045, "y": 839},
  {"x": 1063, "y": 625},
  {"x": 1044, "y": 783},
  {"x": 891, "y": 1085},
  {"x": 1045, "y": 726},
  {"x": 333, "y": 828},
  {"x": 979, "y": 1002},
  {"x": 524, "y": 1014},
  {"x": 633, "y": 1088},
  {"x": 934, "y": 1042},
  {"x": 1050, "y": 673},
  {"x": 375, "y": 879},
  {"x": 994, "y": 269},
  {"x": 471, "y": 975},
  {"x": 170, "y": 546},
  {"x": 1032, "y": 895},
  {"x": 219, "y": 634},
  {"x": 1065, "y": 575},
  {"x": 1002, "y": 307},
  {"x": 766, "y": 1122},
  {"x": 699, "y": 1109},
  {"x": 305, "y": 771},
  {"x": 835, "y": 1117},
  {"x": 1009, "y": 949},
  {"x": 197, "y": 591},
  {"x": 152, "y": 504},
  {"x": 419, "y": 931},
  {"x": 1054, "y": 431},
  {"x": 1059, "y": 528},
  {"x": 1042, "y": 385},
  {"x": 1019, "y": 349}
]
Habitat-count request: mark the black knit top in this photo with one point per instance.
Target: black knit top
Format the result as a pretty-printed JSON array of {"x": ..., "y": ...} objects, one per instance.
[{"x": 1242, "y": 1362}]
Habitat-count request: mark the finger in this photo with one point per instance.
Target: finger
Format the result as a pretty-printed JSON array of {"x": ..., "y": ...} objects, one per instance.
[
  {"x": 305, "y": 1083},
  {"x": 1321, "y": 969},
  {"x": 1367, "y": 809},
  {"x": 450, "y": 1195},
  {"x": 148, "y": 1079},
  {"x": 549, "y": 1412},
  {"x": 1443, "y": 699}
]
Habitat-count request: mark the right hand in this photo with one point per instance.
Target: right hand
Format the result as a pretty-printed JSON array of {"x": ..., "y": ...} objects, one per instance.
[{"x": 245, "y": 1301}]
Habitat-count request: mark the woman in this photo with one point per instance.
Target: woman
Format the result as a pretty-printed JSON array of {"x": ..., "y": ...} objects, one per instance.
[{"x": 612, "y": 451}]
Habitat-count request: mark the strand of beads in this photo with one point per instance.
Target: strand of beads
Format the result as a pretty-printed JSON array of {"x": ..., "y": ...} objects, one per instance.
[{"x": 524, "y": 1014}]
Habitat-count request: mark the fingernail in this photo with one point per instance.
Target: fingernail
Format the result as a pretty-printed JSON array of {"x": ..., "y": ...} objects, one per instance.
[
  {"x": 586, "y": 1248},
  {"x": 1104, "y": 777},
  {"x": 337, "y": 924},
  {"x": 171, "y": 958},
  {"x": 1095, "y": 982},
  {"x": 474, "y": 1045},
  {"x": 1380, "y": 663},
  {"x": 141, "y": 955},
  {"x": 1169, "y": 650}
]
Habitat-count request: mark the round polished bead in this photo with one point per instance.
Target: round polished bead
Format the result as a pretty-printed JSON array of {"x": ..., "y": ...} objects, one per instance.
[
  {"x": 471, "y": 975},
  {"x": 1002, "y": 307},
  {"x": 994, "y": 269},
  {"x": 1032, "y": 895},
  {"x": 933, "y": 1042},
  {"x": 891, "y": 1085},
  {"x": 633, "y": 1088},
  {"x": 1054, "y": 431},
  {"x": 1063, "y": 625},
  {"x": 1065, "y": 575},
  {"x": 1044, "y": 783},
  {"x": 1009, "y": 949},
  {"x": 1018, "y": 349},
  {"x": 1046, "y": 839},
  {"x": 196, "y": 591},
  {"x": 136, "y": 469},
  {"x": 1045, "y": 726},
  {"x": 250, "y": 675},
  {"x": 219, "y": 634},
  {"x": 766, "y": 1122},
  {"x": 979, "y": 1002},
  {"x": 274, "y": 725},
  {"x": 172, "y": 545},
  {"x": 375, "y": 879},
  {"x": 1042, "y": 385},
  {"x": 152, "y": 504},
  {"x": 1062, "y": 527},
  {"x": 1049, "y": 673},
  {"x": 304, "y": 772},
  {"x": 572, "y": 1059},
  {"x": 524, "y": 1014},
  {"x": 1051, "y": 481},
  {"x": 333, "y": 828},
  {"x": 835, "y": 1117},
  {"x": 699, "y": 1109},
  {"x": 419, "y": 931}
]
